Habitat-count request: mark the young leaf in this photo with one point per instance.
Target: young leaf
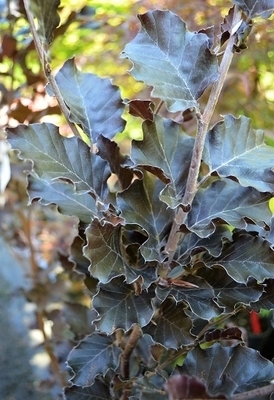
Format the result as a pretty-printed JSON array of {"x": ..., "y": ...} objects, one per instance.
[
  {"x": 230, "y": 202},
  {"x": 64, "y": 196},
  {"x": 247, "y": 257},
  {"x": 221, "y": 369},
  {"x": 98, "y": 391},
  {"x": 166, "y": 152},
  {"x": 95, "y": 104},
  {"x": 47, "y": 17},
  {"x": 234, "y": 148},
  {"x": 55, "y": 156},
  {"x": 256, "y": 8},
  {"x": 119, "y": 307},
  {"x": 163, "y": 55},
  {"x": 140, "y": 205},
  {"x": 172, "y": 327},
  {"x": 93, "y": 356}
]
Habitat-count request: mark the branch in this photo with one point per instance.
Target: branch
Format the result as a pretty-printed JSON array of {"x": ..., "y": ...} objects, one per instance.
[
  {"x": 45, "y": 62},
  {"x": 204, "y": 119}
]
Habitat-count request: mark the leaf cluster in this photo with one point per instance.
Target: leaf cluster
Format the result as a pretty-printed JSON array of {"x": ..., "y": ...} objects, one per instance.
[{"x": 155, "y": 305}]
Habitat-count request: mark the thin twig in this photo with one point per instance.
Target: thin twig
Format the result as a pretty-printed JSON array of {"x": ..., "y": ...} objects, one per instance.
[
  {"x": 135, "y": 335},
  {"x": 203, "y": 121},
  {"x": 45, "y": 62}
]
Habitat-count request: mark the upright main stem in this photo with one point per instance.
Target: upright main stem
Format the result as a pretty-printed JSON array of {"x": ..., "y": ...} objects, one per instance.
[{"x": 202, "y": 128}]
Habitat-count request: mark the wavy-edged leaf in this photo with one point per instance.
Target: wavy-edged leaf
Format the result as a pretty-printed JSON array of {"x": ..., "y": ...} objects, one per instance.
[
  {"x": 163, "y": 54},
  {"x": 193, "y": 244},
  {"x": 98, "y": 391},
  {"x": 47, "y": 17},
  {"x": 229, "y": 370},
  {"x": 93, "y": 356},
  {"x": 166, "y": 152},
  {"x": 267, "y": 300},
  {"x": 149, "y": 387},
  {"x": 64, "y": 196},
  {"x": 109, "y": 151},
  {"x": 256, "y": 8},
  {"x": 200, "y": 298},
  {"x": 140, "y": 205},
  {"x": 230, "y": 202},
  {"x": 141, "y": 108},
  {"x": 228, "y": 293},
  {"x": 94, "y": 102},
  {"x": 103, "y": 250},
  {"x": 247, "y": 257},
  {"x": 234, "y": 148},
  {"x": 55, "y": 156},
  {"x": 172, "y": 326},
  {"x": 119, "y": 307}
]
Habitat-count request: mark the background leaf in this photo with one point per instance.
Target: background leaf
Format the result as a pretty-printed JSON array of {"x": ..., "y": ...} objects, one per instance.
[
  {"x": 230, "y": 202},
  {"x": 234, "y": 148},
  {"x": 47, "y": 17},
  {"x": 93, "y": 356},
  {"x": 221, "y": 368},
  {"x": 163, "y": 54},
  {"x": 119, "y": 307},
  {"x": 95, "y": 104},
  {"x": 256, "y": 8}
]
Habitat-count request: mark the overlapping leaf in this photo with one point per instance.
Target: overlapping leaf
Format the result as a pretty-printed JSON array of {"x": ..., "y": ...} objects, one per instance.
[
  {"x": 166, "y": 152},
  {"x": 163, "y": 55},
  {"x": 109, "y": 151},
  {"x": 221, "y": 369},
  {"x": 98, "y": 391},
  {"x": 55, "y": 156},
  {"x": 247, "y": 257},
  {"x": 234, "y": 148},
  {"x": 200, "y": 299},
  {"x": 140, "y": 205},
  {"x": 150, "y": 387},
  {"x": 94, "y": 102},
  {"x": 186, "y": 387},
  {"x": 230, "y": 202},
  {"x": 193, "y": 244},
  {"x": 227, "y": 292},
  {"x": 93, "y": 356},
  {"x": 256, "y": 8},
  {"x": 64, "y": 196},
  {"x": 47, "y": 17},
  {"x": 172, "y": 328},
  {"x": 267, "y": 300},
  {"x": 119, "y": 307},
  {"x": 103, "y": 250}
]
